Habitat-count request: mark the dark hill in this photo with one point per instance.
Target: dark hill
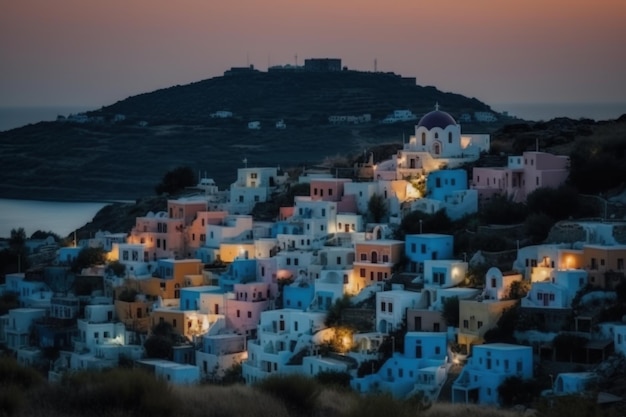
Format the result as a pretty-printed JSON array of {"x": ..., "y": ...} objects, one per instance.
[
  {"x": 298, "y": 97},
  {"x": 108, "y": 157}
]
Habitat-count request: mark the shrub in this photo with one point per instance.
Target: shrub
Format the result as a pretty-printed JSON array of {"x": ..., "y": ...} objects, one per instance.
[
  {"x": 13, "y": 374},
  {"x": 384, "y": 404},
  {"x": 334, "y": 378},
  {"x": 298, "y": 392},
  {"x": 116, "y": 391}
]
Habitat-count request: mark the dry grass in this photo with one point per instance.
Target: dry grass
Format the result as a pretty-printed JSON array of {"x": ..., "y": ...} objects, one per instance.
[
  {"x": 453, "y": 410},
  {"x": 227, "y": 401}
]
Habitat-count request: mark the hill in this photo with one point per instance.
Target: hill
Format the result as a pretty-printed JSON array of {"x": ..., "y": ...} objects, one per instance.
[{"x": 108, "y": 156}]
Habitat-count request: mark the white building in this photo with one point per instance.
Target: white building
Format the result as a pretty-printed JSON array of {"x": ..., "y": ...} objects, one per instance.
[{"x": 489, "y": 365}]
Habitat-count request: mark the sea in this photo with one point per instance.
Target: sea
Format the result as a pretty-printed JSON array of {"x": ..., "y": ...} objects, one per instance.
[{"x": 64, "y": 217}]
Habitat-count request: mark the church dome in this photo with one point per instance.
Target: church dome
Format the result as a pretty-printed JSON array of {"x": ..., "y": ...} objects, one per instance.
[{"x": 436, "y": 118}]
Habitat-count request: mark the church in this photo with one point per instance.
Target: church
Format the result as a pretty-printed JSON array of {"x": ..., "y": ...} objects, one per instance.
[{"x": 437, "y": 144}]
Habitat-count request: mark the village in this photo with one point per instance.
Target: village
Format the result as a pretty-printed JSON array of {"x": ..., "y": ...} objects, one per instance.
[{"x": 203, "y": 290}]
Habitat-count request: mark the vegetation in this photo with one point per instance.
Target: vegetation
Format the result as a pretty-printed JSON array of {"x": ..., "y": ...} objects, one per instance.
[
  {"x": 176, "y": 180},
  {"x": 377, "y": 208},
  {"x": 160, "y": 343},
  {"x": 450, "y": 311},
  {"x": 515, "y": 390},
  {"x": 89, "y": 257}
]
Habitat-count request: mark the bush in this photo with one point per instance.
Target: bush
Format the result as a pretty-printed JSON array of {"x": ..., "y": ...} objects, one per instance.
[
  {"x": 12, "y": 373},
  {"x": 116, "y": 391},
  {"x": 334, "y": 378},
  {"x": 514, "y": 390},
  {"x": 298, "y": 392},
  {"x": 384, "y": 404}
]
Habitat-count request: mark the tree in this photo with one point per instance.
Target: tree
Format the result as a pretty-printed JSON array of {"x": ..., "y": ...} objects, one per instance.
[
  {"x": 176, "y": 180},
  {"x": 450, "y": 311},
  {"x": 501, "y": 209},
  {"x": 87, "y": 258},
  {"x": 160, "y": 344},
  {"x": 542, "y": 200},
  {"x": 116, "y": 268},
  {"x": 537, "y": 227},
  {"x": 377, "y": 208},
  {"x": 333, "y": 316},
  {"x": 518, "y": 289},
  {"x": 17, "y": 239}
]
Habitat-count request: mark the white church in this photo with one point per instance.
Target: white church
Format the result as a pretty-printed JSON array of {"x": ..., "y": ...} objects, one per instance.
[{"x": 437, "y": 144}]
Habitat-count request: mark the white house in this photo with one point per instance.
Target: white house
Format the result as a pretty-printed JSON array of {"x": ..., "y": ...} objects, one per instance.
[
  {"x": 444, "y": 273},
  {"x": 219, "y": 353},
  {"x": 423, "y": 367},
  {"x": 281, "y": 334},
  {"x": 19, "y": 325},
  {"x": 172, "y": 372},
  {"x": 391, "y": 307},
  {"x": 489, "y": 365}
]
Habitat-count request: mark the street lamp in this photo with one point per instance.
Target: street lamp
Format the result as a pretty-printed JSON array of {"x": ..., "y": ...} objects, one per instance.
[{"x": 420, "y": 226}]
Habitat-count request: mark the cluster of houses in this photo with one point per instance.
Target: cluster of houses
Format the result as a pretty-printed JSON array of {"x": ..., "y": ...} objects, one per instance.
[{"x": 256, "y": 294}]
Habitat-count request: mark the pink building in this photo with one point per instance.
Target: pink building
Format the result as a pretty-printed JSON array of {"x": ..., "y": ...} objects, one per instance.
[
  {"x": 522, "y": 175},
  {"x": 243, "y": 313},
  {"x": 332, "y": 189}
]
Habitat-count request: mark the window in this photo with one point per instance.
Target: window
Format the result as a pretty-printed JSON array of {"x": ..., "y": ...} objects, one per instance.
[
  {"x": 390, "y": 306},
  {"x": 413, "y": 247},
  {"x": 423, "y": 248},
  {"x": 296, "y": 261},
  {"x": 479, "y": 324},
  {"x": 288, "y": 261},
  {"x": 364, "y": 257},
  {"x": 253, "y": 175},
  {"x": 551, "y": 297},
  {"x": 620, "y": 263},
  {"x": 385, "y": 258},
  {"x": 539, "y": 296},
  {"x": 382, "y": 306},
  {"x": 330, "y": 191},
  {"x": 449, "y": 137},
  {"x": 323, "y": 212},
  {"x": 362, "y": 272},
  {"x": 238, "y": 313},
  {"x": 465, "y": 324},
  {"x": 249, "y": 314},
  {"x": 423, "y": 139}
]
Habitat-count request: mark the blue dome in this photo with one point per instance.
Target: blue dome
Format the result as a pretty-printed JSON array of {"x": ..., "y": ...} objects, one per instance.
[{"x": 436, "y": 118}]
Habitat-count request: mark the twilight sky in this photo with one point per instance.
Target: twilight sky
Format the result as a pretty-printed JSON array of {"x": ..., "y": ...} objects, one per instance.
[{"x": 94, "y": 53}]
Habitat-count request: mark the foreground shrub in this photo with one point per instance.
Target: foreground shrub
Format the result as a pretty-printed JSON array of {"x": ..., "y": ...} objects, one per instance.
[
  {"x": 14, "y": 374},
  {"x": 228, "y": 401},
  {"x": 383, "y": 404},
  {"x": 11, "y": 400},
  {"x": 134, "y": 392},
  {"x": 298, "y": 392}
]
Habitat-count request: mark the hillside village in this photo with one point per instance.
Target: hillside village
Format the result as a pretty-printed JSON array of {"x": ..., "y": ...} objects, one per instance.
[{"x": 202, "y": 291}]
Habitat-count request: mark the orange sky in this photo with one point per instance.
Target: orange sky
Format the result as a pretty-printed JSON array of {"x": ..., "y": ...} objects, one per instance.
[{"x": 70, "y": 52}]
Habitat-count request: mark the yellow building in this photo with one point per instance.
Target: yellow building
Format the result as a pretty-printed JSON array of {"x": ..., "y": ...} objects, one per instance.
[{"x": 477, "y": 317}]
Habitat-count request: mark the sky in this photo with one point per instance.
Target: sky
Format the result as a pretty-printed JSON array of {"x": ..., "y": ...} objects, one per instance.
[{"x": 94, "y": 53}]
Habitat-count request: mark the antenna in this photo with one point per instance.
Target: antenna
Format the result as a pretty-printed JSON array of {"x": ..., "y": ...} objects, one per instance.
[
  {"x": 375, "y": 65},
  {"x": 247, "y": 59},
  {"x": 296, "y": 59}
]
